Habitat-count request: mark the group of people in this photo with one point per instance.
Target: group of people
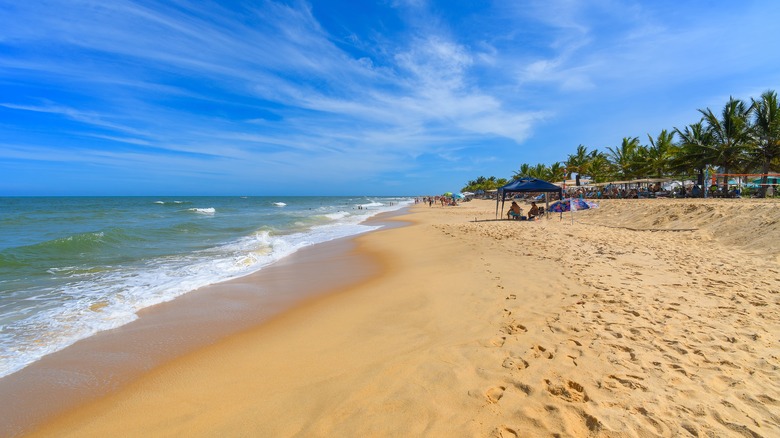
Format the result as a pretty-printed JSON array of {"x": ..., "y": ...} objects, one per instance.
[
  {"x": 443, "y": 200},
  {"x": 515, "y": 212}
]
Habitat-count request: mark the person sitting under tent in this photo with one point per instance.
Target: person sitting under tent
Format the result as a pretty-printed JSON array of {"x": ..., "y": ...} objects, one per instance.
[
  {"x": 514, "y": 211},
  {"x": 533, "y": 212}
]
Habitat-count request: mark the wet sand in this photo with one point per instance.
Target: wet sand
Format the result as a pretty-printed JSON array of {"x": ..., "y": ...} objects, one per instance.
[
  {"x": 642, "y": 318},
  {"x": 101, "y": 364}
]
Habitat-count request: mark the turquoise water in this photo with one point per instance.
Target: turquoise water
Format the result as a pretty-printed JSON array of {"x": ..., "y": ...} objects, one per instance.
[{"x": 70, "y": 267}]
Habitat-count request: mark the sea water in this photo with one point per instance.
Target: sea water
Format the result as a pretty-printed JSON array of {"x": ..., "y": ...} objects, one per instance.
[{"x": 73, "y": 266}]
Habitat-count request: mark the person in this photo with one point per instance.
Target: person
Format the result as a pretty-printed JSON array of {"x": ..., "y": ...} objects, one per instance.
[
  {"x": 533, "y": 212},
  {"x": 514, "y": 211}
]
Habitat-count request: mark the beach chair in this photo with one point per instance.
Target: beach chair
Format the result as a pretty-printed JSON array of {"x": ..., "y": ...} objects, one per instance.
[{"x": 512, "y": 215}]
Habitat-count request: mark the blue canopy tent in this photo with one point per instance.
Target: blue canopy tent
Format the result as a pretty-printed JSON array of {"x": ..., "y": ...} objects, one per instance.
[{"x": 525, "y": 185}]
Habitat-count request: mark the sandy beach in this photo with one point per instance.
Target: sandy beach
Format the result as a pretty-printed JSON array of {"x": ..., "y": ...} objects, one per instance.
[{"x": 642, "y": 318}]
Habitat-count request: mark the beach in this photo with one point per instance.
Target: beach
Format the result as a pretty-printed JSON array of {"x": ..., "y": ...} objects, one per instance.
[{"x": 655, "y": 317}]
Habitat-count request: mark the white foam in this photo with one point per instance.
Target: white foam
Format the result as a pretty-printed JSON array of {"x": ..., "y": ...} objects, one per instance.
[
  {"x": 208, "y": 211},
  {"x": 337, "y": 216},
  {"x": 111, "y": 298},
  {"x": 280, "y": 204}
]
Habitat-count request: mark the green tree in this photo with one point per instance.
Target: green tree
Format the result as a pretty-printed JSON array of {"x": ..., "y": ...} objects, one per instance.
[
  {"x": 659, "y": 154},
  {"x": 695, "y": 151},
  {"x": 579, "y": 162},
  {"x": 524, "y": 171},
  {"x": 539, "y": 171},
  {"x": 624, "y": 157},
  {"x": 482, "y": 183},
  {"x": 766, "y": 129},
  {"x": 556, "y": 172},
  {"x": 731, "y": 135},
  {"x": 600, "y": 168}
]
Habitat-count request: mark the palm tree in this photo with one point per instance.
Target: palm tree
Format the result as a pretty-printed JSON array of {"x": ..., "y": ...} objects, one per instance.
[
  {"x": 766, "y": 126},
  {"x": 624, "y": 156},
  {"x": 579, "y": 161},
  {"x": 730, "y": 134},
  {"x": 694, "y": 151},
  {"x": 539, "y": 171},
  {"x": 600, "y": 168},
  {"x": 556, "y": 172},
  {"x": 659, "y": 153},
  {"x": 525, "y": 171}
]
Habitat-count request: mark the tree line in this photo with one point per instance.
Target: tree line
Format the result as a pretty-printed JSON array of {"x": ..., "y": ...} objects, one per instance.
[{"x": 744, "y": 138}]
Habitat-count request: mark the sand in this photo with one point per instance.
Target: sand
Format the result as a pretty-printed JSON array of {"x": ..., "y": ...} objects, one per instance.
[{"x": 643, "y": 318}]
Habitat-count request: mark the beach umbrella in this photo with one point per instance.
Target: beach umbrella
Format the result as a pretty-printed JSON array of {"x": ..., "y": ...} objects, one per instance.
[
  {"x": 447, "y": 194},
  {"x": 458, "y": 195},
  {"x": 565, "y": 205}
]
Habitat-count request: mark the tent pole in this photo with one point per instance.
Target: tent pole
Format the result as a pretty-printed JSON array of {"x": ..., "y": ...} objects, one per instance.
[{"x": 547, "y": 204}]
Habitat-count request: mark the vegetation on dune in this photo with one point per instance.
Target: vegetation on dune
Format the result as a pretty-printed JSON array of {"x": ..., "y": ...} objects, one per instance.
[{"x": 743, "y": 138}]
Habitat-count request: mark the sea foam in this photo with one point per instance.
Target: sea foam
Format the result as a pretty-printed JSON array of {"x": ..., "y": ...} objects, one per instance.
[
  {"x": 208, "y": 211},
  {"x": 81, "y": 292}
]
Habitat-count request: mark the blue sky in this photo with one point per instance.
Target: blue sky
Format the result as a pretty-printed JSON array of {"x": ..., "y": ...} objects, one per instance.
[{"x": 352, "y": 97}]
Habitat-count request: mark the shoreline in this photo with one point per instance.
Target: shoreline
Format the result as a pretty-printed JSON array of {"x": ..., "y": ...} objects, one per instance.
[
  {"x": 500, "y": 328},
  {"x": 103, "y": 363}
]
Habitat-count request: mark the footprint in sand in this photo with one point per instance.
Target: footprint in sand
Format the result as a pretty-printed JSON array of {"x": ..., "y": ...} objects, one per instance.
[
  {"x": 513, "y": 328},
  {"x": 513, "y": 363},
  {"x": 526, "y": 389},
  {"x": 498, "y": 342},
  {"x": 494, "y": 394},
  {"x": 629, "y": 382},
  {"x": 505, "y": 432},
  {"x": 570, "y": 391},
  {"x": 625, "y": 349},
  {"x": 540, "y": 351}
]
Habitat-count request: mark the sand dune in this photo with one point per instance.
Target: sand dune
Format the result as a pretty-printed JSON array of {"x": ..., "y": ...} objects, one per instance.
[{"x": 643, "y": 318}]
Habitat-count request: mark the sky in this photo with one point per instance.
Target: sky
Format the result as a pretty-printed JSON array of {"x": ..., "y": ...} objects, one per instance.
[{"x": 353, "y": 97}]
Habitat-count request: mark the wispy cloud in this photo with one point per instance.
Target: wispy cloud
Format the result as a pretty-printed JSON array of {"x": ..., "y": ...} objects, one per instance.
[{"x": 226, "y": 89}]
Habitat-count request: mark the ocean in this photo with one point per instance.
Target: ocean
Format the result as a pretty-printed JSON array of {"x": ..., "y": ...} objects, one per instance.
[{"x": 73, "y": 266}]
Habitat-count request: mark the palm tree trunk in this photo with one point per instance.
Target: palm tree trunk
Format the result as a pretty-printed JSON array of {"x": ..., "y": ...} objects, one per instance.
[
  {"x": 700, "y": 182},
  {"x": 765, "y": 176}
]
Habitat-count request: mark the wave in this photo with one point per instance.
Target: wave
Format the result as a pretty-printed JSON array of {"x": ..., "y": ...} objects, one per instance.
[
  {"x": 280, "y": 204},
  {"x": 64, "y": 246},
  {"x": 336, "y": 216},
  {"x": 105, "y": 246},
  {"x": 172, "y": 202},
  {"x": 116, "y": 278},
  {"x": 206, "y": 211}
]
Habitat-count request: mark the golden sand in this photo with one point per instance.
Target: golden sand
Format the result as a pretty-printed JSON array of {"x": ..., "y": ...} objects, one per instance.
[{"x": 643, "y": 318}]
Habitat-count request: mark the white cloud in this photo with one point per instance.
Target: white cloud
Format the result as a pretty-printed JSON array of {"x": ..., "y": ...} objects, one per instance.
[{"x": 265, "y": 84}]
